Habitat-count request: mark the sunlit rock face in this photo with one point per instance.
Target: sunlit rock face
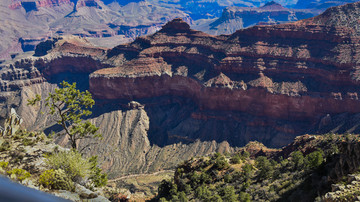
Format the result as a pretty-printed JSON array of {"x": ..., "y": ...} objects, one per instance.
[{"x": 196, "y": 93}]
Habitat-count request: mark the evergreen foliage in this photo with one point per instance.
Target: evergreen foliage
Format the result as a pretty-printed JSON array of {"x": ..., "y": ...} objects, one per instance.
[
  {"x": 273, "y": 178},
  {"x": 71, "y": 105}
]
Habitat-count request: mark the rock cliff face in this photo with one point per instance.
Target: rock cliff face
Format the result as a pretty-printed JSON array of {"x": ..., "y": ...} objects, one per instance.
[
  {"x": 301, "y": 71},
  {"x": 126, "y": 129},
  {"x": 297, "y": 72},
  {"x": 199, "y": 93}
]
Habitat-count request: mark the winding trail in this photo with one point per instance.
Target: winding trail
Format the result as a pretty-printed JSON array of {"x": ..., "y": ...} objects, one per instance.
[{"x": 138, "y": 175}]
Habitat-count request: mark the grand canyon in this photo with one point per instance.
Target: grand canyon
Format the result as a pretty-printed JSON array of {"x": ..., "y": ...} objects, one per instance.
[{"x": 179, "y": 92}]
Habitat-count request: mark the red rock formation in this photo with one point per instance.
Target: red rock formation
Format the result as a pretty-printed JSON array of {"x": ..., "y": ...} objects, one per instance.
[
  {"x": 263, "y": 80},
  {"x": 307, "y": 69}
]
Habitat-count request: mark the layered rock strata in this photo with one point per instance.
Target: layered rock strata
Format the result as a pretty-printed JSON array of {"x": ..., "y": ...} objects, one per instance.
[
  {"x": 197, "y": 91},
  {"x": 300, "y": 71}
]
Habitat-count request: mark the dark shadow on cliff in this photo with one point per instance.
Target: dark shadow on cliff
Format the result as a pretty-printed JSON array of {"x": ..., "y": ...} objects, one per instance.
[
  {"x": 74, "y": 9},
  {"x": 81, "y": 79},
  {"x": 175, "y": 119},
  {"x": 180, "y": 120},
  {"x": 57, "y": 128}
]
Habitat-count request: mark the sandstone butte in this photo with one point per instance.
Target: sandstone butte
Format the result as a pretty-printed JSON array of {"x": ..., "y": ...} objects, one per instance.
[{"x": 296, "y": 71}]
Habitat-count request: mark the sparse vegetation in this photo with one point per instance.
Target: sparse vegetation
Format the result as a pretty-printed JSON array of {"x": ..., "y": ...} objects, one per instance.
[
  {"x": 74, "y": 165},
  {"x": 47, "y": 178},
  {"x": 5, "y": 146},
  {"x": 264, "y": 178},
  {"x": 98, "y": 178},
  {"x": 235, "y": 159},
  {"x": 56, "y": 179},
  {"x": 18, "y": 174},
  {"x": 3, "y": 166},
  {"x": 21, "y": 150}
]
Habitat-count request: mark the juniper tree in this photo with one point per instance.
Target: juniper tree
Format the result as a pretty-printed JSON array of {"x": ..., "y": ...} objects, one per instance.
[{"x": 71, "y": 105}]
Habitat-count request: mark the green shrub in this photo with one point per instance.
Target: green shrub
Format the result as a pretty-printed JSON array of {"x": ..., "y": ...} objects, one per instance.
[
  {"x": 21, "y": 134},
  {"x": 71, "y": 162},
  {"x": 179, "y": 171},
  {"x": 314, "y": 159},
  {"x": 62, "y": 181},
  {"x": 216, "y": 198},
  {"x": 99, "y": 179},
  {"x": 163, "y": 199},
  {"x": 221, "y": 163},
  {"x": 4, "y": 164},
  {"x": 297, "y": 159},
  {"x": 245, "y": 155},
  {"x": 235, "y": 159},
  {"x": 284, "y": 163},
  {"x": 245, "y": 197},
  {"x": 182, "y": 197},
  {"x": 28, "y": 142},
  {"x": 265, "y": 167},
  {"x": 228, "y": 178},
  {"x": 5, "y": 146},
  {"x": 205, "y": 178},
  {"x": 195, "y": 179},
  {"x": 166, "y": 189},
  {"x": 41, "y": 137},
  {"x": 47, "y": 178},
  {"x": 19, "y": 174},
  {"x": 227, "y": 193},
  {"x": 216, "y": 155},
  {"x": 247, "y": 170},
  {"x": 202, "y": 192}
]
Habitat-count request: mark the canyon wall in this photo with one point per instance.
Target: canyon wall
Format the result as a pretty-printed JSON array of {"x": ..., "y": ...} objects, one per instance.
[
  {"x": 196, "y": 93},
  {"x": 301, "y": 71}
]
